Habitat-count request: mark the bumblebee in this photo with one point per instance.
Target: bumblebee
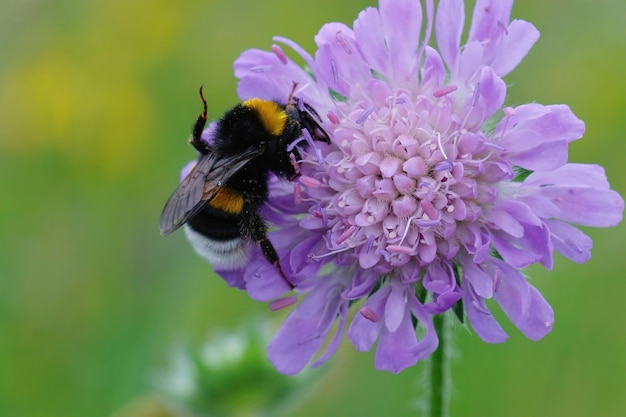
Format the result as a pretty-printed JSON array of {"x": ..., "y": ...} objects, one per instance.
[{"x": 219, "y": 201}]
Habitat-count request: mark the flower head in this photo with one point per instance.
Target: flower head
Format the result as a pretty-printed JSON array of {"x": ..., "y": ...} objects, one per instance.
[{"x": 431, "y": 194}]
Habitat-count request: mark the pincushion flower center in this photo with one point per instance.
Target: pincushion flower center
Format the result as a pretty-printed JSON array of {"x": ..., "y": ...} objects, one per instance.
[{"x": 404, "y": 167}]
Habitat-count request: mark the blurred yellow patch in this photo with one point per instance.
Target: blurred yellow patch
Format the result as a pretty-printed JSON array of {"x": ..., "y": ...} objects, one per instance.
[
  {"x": 55, "y": 103},
  {"x": 83, "y": 93}
]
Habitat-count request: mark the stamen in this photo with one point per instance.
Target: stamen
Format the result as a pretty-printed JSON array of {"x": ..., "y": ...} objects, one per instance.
[
  {"x": 401, "y": 100},
  {"x": 328, "y": 236},
  {"x": 297, "y": 193},
  {"x": 332, "y": 117},
  {"x": 295, "y": 143},
  {"x": 443, "y": 152},
  {"x": 443, "y": 166},
  {"x": 294, "y": 163},
  {"x": 320, "y": 157},
  {"x": 364, "y": 115},
  {"x": 331, "y": 253},
  {"x": 429, "y": 209},
  {"x": 480, "y": 309},
  {"x": 509, "y": 111},
  {"x": 309, "y": 139},
  {"x": 502, "y": 26},
  {"x": 494, "y": 146},
  {"x": 573, "y": 245},
  {"x": 406, "y": 228},
  {"x": 308, "y": 339},
  {"x": 399, "y": 249},
  {"x": 283, "y": 302},
  {"x": 476, "y": 95},
  {"x": 262, "y": 68},
  {"x": 307, "y": 136},
  {"x": 345, "y": 235},
  {"x": 369, "y": 314},
  {"x": 301, "y": 107},
  {"x": 444, "y": 91},
  {"x": 280, "y": 54},
  {"x": 427, "y": 223},
  {"x": 333, "y": 71},
  {"x": 341, "y": 39},
  {"x": 309, "y": 181},
  {"x": 324, "y": 217},
  {"x": 496, "y": 281},
  {"x": 369, "y": 244}
]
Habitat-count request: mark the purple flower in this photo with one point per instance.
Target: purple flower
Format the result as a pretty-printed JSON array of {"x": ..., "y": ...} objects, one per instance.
[{"x": 431, "y": 192}]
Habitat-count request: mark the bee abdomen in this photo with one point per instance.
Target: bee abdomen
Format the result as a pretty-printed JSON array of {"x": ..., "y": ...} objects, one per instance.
[{"x": 224, "y": 253}]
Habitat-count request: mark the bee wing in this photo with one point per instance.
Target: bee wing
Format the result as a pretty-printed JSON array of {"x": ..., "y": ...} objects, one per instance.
[{"x": 200, "y": 186}]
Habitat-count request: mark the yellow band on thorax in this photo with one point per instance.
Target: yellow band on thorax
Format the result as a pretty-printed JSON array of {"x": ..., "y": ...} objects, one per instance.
[{"x": 273, "y": 117}]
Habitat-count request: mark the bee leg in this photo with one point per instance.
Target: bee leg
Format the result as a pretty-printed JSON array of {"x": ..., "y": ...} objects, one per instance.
[
  {"x": 270, "y": 254},
  {"x": 196, "y": 137},
  {"x": 259, "y": 234}
]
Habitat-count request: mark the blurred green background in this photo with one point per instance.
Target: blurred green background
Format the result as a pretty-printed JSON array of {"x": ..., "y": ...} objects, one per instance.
[{"x": 96, "y": 102}]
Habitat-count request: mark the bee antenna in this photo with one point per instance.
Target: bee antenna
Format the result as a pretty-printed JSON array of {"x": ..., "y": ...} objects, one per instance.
[
  {"x": 293, "y": 90},
  {"x": 205, "y": 112},
  {"x": 196, "y": 134}
]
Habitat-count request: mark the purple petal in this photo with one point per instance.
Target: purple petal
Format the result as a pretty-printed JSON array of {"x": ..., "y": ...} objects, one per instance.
[
  {"x": 234, "y": 278},
  {"x": 433, "y": 71},
  {"x": 395, "y": 308},
  {"x": 305, "y": 329},
  {"x": 298, "y": 263},
  {"x": 516, "y": 42},
  {"x": 470, "y": 61},
  {"x": 263, "y": 281},
  {"x": 402, "y": 22},
  {"x": 536, "y": 136},
  {"x": 571, "y": 242},
  {"x": 334, "y": 343},
  {"x": 361, "y": 285},
  {"x": 368, "y": 258},
  {"x": 396, "y": 350},
  {"x": 522, "y": 303},
  {"x": 487, "y": 20},
  {"x": 308, "y": 59},
  {"x": 400, "y": 349},
  {"x": 475, "y": 241},
  {"x": 542, "y": 157},
  {"x": 255, "y": 83},
  {"x": 488, "y": 97},
  {"x": 336, "y": 59},
  {"x": 492, "y": 92},
  {"x": 533, "y": 246},
  {"x": 506, "y": 222},
  {"x": 370, "y": 40},
  {"x": 481, "y": 282},
  {"x": 429, "y": 341},
  {"x": 580, "y": 194},
  {"x": 509, "y": 216},
  {"x": 480, "y": 318},
  {"x": 262, "y": 74},
  {"x": 502, "y": 45},
  {"x": 363, "y": 332},
  {"x": 448, "y": 29},
  {"x": 440, "y": 281}
]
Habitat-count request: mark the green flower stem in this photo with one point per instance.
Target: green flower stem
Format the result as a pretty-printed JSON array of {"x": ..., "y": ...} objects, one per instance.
[{"x": 439, "y": 375}]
